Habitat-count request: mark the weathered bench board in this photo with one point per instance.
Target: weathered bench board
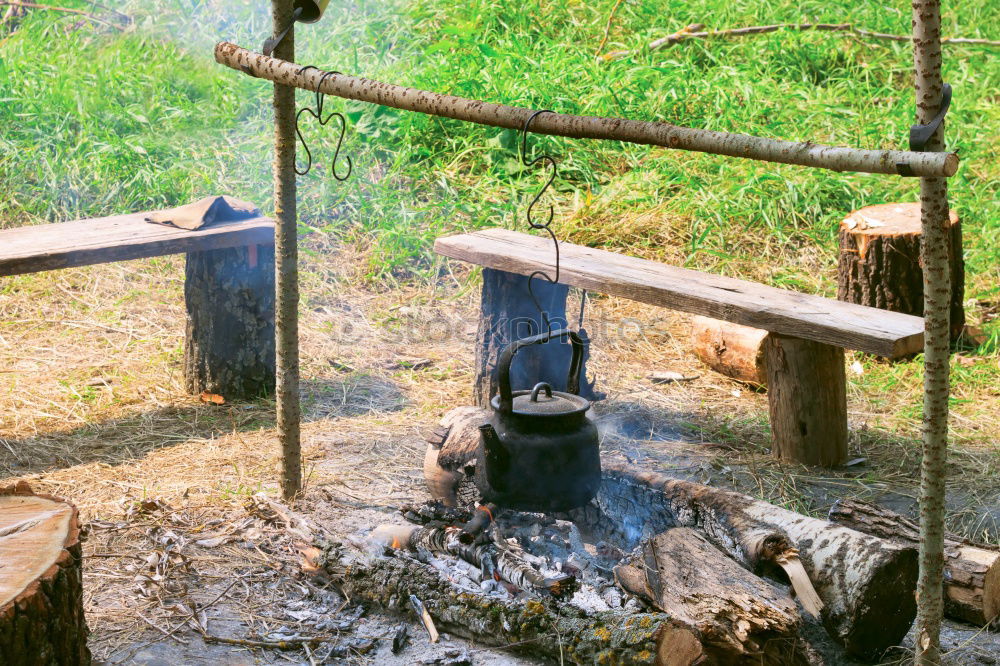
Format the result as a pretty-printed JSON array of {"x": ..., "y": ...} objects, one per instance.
[
  {"x": 45, "y": 247},
  {"x": 804, "y": 356},
  {"x": 825, "y": 320},
  {"x": 228, "y": 288}
]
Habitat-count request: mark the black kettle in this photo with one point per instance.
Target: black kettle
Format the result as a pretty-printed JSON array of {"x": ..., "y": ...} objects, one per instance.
[{"x": 539, "y": 451}]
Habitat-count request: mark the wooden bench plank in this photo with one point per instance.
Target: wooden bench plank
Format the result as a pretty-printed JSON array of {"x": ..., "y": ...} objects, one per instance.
[
  {"x": 45, "y": 247},
  {"x": 792, "y": 313}
]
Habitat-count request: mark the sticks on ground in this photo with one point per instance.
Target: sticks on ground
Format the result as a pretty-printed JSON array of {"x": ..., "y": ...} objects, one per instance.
[{"x": 694, "y": 32}]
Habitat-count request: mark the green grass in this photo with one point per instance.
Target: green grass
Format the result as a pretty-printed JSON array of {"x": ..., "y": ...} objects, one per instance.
[{"x": 95, "y": 121}]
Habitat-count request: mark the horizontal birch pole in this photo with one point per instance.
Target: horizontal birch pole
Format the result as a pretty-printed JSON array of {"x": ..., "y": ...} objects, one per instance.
[{"x": 804, "y": 153}]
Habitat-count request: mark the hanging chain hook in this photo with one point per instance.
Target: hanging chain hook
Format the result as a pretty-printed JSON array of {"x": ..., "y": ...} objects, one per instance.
[
  {"x": 545, "y": 226},
  {"x": 318, "y": 115}
]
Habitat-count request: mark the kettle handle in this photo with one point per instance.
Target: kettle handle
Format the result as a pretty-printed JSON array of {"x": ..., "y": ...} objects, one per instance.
[{"x": 503, "y": 366}]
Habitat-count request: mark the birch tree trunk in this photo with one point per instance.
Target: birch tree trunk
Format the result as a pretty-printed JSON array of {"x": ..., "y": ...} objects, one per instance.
[
  {"x": 937, "y": 299},
  {"x": 286, "y": 257}
]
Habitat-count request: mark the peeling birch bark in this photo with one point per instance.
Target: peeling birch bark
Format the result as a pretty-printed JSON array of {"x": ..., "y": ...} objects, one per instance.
[
  {"x": 802, "y": 153},
  {"x": 286, "y": 259},
  {"x": 934, "y": 247}
]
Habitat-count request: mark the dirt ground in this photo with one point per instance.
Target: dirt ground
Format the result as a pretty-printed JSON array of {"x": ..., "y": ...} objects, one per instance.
[{"x": 179, "y": 544}]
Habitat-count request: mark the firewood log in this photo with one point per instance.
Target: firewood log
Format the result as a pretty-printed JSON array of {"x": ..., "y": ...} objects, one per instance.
[
  {"x": 740, "y": 617},
  {"x": 971, "y": 569},
  {"x": 730, "y": 349},
  {"x": 866, "y": 584},
  {"x": 548, "y": 629},
  {"x": 41, "y": 590}
]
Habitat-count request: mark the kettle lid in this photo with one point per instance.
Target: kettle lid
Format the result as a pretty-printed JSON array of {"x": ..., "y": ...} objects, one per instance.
[{"x": 543, "y": 401}]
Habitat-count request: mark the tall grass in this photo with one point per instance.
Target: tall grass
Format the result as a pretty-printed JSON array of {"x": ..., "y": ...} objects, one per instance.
[{"x": 95, "y": 121}]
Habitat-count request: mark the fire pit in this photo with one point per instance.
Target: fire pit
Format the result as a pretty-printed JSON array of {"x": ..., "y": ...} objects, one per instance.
[{"x": 653, "y": 570}]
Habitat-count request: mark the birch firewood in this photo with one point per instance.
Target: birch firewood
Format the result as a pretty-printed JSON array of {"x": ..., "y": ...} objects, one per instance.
[
  {"x": 972, "y": 570},
  {"x": 865, "y": 583},
  {"x": 803, "y": 153},
  {"x": 934, "y": 224}
]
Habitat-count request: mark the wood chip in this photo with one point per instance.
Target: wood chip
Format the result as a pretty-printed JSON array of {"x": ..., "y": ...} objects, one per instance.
[{"x": 671, "y": 377}]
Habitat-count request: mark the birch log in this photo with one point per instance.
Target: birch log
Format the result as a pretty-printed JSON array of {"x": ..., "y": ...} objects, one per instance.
[
  {"x": 972, "y": 570},
  {"x": 803, "y": 153},
  {"x": 866, "y": 584},
  {"x": 937, "y": 304},
  {"x": 286, "y": 257}
]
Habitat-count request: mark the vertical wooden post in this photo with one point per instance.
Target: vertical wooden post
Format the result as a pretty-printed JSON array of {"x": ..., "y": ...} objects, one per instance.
[
  {"x": 508, "y": 313},
  {"x": 937, "y": 301},
  {"x": 229, "y": 343},
  {"x": 807, "y": 400},
  {"x": 286, "y": 263}
]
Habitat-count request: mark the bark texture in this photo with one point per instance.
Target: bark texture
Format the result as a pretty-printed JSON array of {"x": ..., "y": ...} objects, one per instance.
[
  {"x": 229, "y": 345},
  {"x": 730, "y": 349},
  {"x": 804, "y": 153},
  {"x": 539, "y": 628},
  {"x": 807, "y": 400},
  {"x": 937, "y": 301},
  {"x": 865, "y": 583},
  {"x": 741, "y": 618},
  {"x": 41, "y": 589},
  {"x": 971, "y": 570},
  {"x": 880, "y": 261},
  {"x": 286, "y": 263},
  {"x": 508, "y": 313}
]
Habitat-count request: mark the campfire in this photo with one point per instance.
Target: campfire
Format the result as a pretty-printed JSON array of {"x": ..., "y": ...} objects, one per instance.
[{"x": 652, "y": 570}]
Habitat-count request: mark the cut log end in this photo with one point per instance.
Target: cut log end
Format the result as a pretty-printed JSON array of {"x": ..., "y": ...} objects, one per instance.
[
  {"x": 730, "y": 349},
  {"x": 41, "y": 590}
]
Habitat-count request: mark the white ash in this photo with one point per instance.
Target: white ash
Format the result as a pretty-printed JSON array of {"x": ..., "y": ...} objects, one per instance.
[{"x": 552, "y": 546}]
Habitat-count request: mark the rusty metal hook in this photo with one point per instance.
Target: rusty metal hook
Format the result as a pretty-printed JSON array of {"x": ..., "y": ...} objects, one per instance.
[{"x": 318, "y": 115}]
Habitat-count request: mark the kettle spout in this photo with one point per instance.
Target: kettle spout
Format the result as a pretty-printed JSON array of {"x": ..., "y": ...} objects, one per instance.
[{"x": 490, "y": 437}]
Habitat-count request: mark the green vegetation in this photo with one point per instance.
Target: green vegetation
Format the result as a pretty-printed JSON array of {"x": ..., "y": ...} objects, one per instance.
[{"x": 96, "y": 120}]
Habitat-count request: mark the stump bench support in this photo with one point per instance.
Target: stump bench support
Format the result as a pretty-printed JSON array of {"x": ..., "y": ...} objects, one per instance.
[
  {"x": 807, "y": 398},
  {"x": 508, "y": 313},
  {"x": 228, "y": 290}
]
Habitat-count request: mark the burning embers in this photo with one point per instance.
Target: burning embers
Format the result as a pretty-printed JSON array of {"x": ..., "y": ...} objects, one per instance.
[{"x": 515, "y": 556}]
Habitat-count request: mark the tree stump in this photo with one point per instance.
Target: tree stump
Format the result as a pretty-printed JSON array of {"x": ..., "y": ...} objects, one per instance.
[
  {"x": 41, "y": 589},
  {"x": 807, "y": 400},
  {"x": 971, "y": 569},
  {"x": 730, "y": 349},
  {"x": 507, "y": 313},
  {"x": 229, "y": 346},
  {"x": 880, "y": 261}
]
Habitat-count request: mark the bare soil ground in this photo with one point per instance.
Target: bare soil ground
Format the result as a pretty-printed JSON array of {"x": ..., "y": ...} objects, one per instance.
[{"x": 178, "y": 544}]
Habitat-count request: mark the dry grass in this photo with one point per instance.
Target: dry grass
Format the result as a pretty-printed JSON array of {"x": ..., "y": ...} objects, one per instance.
[{"x": 94, "y": 410}]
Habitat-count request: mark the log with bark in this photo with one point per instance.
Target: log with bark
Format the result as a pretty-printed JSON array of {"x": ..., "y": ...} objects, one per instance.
[
  {"x": 538, "y": 627},
  {"x": 41, "y": 589},
  {"x": 730, "y": 349},
  {"x": 879, "y": 262},
  {"x": 971, "y": 569},
  {"x": 865, "y": 584},
  {"x": 740, "y": 617},
  {"x": 805, "y": 153}
]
